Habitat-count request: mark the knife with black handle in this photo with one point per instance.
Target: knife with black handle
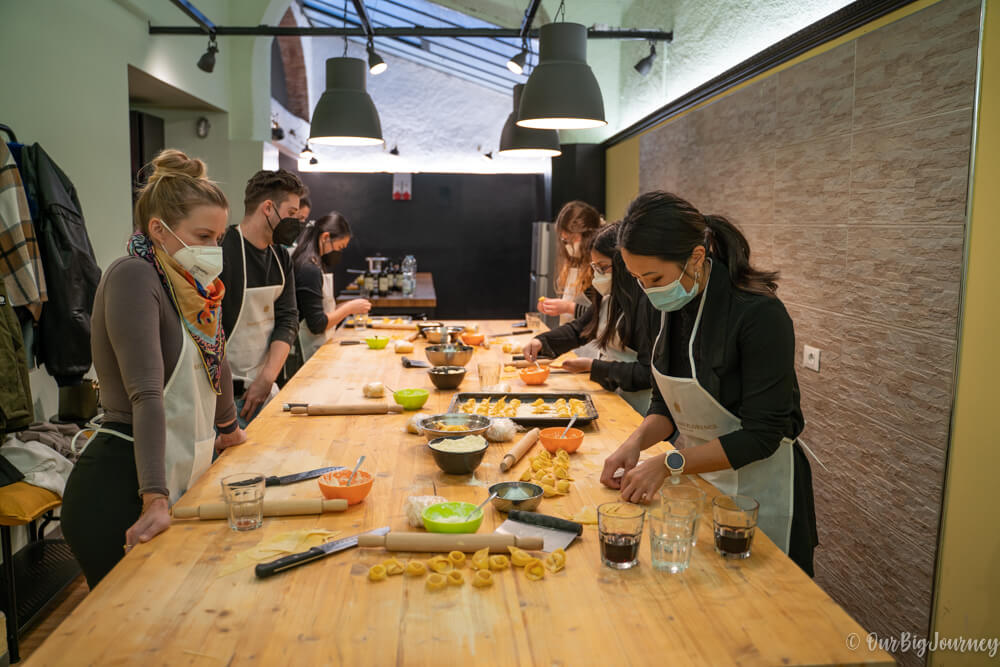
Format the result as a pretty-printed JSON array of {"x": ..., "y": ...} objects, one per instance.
[
  {"x": 275, "y": 480},
  {"x": 265, "y": 570}
]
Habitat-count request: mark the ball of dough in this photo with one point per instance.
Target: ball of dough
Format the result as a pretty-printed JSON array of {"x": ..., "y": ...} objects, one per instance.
[
  {"x": 413, "y": 425},
  {"x": 501, "y": 430},
  {"x": 402, "y": 346},
  {"x": 373, "y": 390}
]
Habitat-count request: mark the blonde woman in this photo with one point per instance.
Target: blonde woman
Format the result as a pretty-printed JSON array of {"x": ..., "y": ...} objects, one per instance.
[
  {"x": 577, "y": 225},
  {"x": 159, "y": 352}
]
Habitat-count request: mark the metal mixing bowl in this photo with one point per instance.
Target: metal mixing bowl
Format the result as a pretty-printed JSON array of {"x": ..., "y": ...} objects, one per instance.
[
  {"x": 529, "y": 504},
  {"x": 442, "y": 335},
  {"x": 473, "y": 425},
  {"x": 448, "y": 355}
]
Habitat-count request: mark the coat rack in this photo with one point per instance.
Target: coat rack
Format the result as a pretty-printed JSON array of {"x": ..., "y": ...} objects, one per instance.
[{"x": 10, "y": 133}]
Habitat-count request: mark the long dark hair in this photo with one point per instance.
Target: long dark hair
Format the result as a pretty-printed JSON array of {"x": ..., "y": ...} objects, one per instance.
[
  {"x": 307, "y": 246},
  {"x": 661, "y": 224},
  {"x": 623, "y": 298}
]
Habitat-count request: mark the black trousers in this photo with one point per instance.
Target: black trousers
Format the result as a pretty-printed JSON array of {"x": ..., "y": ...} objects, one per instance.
[{"x": 101, "y": 502}]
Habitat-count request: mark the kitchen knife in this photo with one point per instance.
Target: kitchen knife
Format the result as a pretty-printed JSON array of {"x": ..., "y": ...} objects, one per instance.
[
  {"x": 413, "y": 363},
  {"x": 265, "y": 570},
  {"x": 514, "y": 333},
  {"x": 275, "y": 480},
  {"x": 350, "y": 342},
  {"x": 557, "y": 533},
  {"x": 520, "y": 357}
]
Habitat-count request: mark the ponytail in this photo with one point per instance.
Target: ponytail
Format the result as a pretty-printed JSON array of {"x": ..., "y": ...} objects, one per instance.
[{"x": 663, "y": 225}]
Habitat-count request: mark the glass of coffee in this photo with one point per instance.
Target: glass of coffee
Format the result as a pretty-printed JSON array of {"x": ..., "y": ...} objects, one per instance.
[
  {"x": 619, "y": 526},
  {"x": 735, "y": 520}
]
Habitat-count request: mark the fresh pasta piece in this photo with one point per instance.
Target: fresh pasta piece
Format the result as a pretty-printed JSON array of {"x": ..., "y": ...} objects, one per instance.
[
  {"x": 534, "y": 570},
  {"x": 548, "y": 491},
  {"x": 392, "y": 567},
  {"x": 586, "y": 515},
  {"x": 457, "y": 558},
  {"x": 526, "y": 475},
  {"x": 560, "y": 471},
  {"x": 440, "y": 564},
  {"x": 436, "y": 582},
  {"x": 562, "y": 486},
  {"x": 499, "y": 562},
  {"x": 416, "y": 568},
  {"x": 555, "y": 561},
  {"x": 481, "y": 559},
  {"x": 377, "y": 573},
  {"x": 456, "y": 578},
  {"x": 548, "y": 480},
  {"x": 519, "y": 557},
  {"x": 482, "y": 579}
]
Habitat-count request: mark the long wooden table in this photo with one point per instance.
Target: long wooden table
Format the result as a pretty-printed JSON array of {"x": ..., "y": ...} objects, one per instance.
[{"x": 166, "y": 603}]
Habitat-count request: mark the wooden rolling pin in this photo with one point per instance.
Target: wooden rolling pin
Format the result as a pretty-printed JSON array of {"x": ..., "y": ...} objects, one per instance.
[
  {"x": 519, "y": 450},
  {"x": 530, "y": 364},
  {"x": 272, "y": 507},
  {"x": 444, "y": 542},
  {"x": 366, "y": 408}
]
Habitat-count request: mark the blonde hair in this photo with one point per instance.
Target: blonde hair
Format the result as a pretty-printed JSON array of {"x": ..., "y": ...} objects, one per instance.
[
  {"x": 577, "y": 217},
  {"x": 177, "y": 185}
]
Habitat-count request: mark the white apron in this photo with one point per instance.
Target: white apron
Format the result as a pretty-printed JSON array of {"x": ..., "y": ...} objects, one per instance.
[
  {"x": 250, "y": 338},
  {"x": 589, "y": 350},
  {"x": 639, "y": 400},
  {"x": 700, "y": 419},
  {"x": 308, "y": 341},
  {"x": 189, "y": 404}
]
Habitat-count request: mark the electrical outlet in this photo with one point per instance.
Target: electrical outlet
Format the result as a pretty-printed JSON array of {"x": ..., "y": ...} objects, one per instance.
[{"x": 810, "y": 357}]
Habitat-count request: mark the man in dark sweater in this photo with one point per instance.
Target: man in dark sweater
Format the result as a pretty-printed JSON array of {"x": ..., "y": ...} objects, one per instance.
[{"x": 259, "y": 312}]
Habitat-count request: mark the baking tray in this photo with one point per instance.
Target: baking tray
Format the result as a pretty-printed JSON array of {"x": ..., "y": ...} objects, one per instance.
[
  {"x": 540, "y": 421},
  {"x": 386, "y": 322}
]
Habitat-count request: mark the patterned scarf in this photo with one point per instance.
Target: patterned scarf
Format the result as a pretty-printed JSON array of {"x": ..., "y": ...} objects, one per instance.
[{"x": 200, "y": 308}]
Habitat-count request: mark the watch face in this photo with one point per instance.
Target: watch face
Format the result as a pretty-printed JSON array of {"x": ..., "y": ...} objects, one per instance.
[{"x": 675, "y": 461}]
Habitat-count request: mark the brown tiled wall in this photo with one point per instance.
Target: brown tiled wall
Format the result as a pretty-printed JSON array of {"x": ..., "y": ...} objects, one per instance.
[
  {"x": 294, "y": 65},
  {"x": 849, "y": 173}
]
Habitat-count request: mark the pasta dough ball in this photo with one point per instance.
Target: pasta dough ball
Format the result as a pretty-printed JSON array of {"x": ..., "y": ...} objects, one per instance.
[
  {"x": 377, "y": 573},
  {"x": 373, "y": 390},
  {"x": 416, "y": 568},
  {"x": 413, "y": 424},
  {"x": 482, "y": 579},
  {"x": 402, "y": 346},
  {"x": 456, "y": 578},
  {"x": 436, "y": 582}
]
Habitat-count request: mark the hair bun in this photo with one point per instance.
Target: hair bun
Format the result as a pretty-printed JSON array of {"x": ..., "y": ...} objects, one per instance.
[{"x": 172, "y": 162}]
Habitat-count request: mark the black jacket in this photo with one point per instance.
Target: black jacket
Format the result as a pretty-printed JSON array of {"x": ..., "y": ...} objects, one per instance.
[
  {"x": 744, "y": 358},
  {"x": 71, "y": 271},
  {"x": 611, "y": 375}
]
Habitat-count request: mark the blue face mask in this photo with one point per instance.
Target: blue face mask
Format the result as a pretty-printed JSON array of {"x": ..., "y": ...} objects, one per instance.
[{"x": 671, "y": 297}]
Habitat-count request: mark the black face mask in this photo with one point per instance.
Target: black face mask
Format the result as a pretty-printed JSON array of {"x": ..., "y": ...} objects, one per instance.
[
  {"x": 331, "y": 260},
  {"x": 286, "y": 231}
]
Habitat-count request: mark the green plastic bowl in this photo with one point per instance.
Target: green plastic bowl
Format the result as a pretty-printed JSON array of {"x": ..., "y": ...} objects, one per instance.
[
  {"x": 436, "y": 518},
  {"x": 411, "y": 399},
  {"x": 377, "y": 343}
]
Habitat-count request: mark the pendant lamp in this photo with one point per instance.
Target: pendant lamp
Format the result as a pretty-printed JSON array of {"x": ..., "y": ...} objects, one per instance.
[
  {"x": 517, "y": 141},
  {"x": 345, "y": 114},
  {"x": 562, "y": 92}
]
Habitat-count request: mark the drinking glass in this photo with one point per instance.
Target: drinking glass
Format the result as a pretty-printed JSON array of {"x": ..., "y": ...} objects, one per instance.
[
  {"x": 619, "y": 526},
  {"x": 489, "y": 374},
  {"x": 670, "y": 537},
  {"x": 682, "y": 494},
  {"x": 244, "y": 494},
  {"x": 534, "y": 321},
  {"x": 735, "y": 520}
]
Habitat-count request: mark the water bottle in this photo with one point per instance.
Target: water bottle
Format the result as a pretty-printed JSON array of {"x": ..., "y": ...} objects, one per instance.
[{"x": 409, "y": 275}]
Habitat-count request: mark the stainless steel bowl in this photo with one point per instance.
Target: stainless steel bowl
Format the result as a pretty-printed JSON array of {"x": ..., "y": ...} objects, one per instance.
[
  {"x": 529, "y": 504},
  {"x": 473, "y": 425},
  {"x": 443, "y": 335},
  {"x": 449, "y": 355}
]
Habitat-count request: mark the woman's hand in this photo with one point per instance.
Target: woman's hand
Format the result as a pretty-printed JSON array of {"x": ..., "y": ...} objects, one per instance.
[
  {"x": 641, "y": 484},
  {"x": 532, "y": 349},
  {"x": 557, "y": 307},
  {"x": 257, "y": 394},
  {"x": 358, "y": 306},
  {"x": 578, "y": 365},
  {"x": 224, "y": 440},
  {"x": 155, "y": 519},
  {"x": 626, "y": 456}
]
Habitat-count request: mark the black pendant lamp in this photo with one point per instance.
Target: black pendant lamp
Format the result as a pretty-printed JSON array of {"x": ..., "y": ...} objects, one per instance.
[
  {"x": 562, "y": 92},
  {"x": 345, "y": 114},
  {"x": 517, "y": 141}
]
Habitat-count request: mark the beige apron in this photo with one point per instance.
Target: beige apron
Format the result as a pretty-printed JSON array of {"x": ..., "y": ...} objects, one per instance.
[
  {"x": 308, "y": 341},
  {"x": 700, "y": 419},
  {"x": 189, "y": 404},
  {"x": 589, "y": 350},
  {"x": 639, "y": 400},
  {"x": 250, "y": 338}
]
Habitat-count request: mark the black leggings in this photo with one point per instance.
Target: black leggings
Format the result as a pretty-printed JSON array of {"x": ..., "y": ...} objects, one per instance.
[{"x": 101, "y": 502}]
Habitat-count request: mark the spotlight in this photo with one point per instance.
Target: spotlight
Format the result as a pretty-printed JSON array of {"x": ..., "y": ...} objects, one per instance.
[
  {"x": 488, "y": 156},
  {"x": 394, "y": 151},
  {"x": 207, "y": 61},
  {"x": 646, "y": 64},
  {"x": 307, "y": 153},
  {"x": 313, "y": 160},
  {"x": 375, "y": 63},
  {"x": 516, "y": 64}
]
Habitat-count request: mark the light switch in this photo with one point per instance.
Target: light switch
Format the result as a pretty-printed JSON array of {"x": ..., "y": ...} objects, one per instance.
[{"x": 810, "y": 357}]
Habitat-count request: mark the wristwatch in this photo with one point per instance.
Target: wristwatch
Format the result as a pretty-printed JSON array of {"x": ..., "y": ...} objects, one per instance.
[{"x": 675, "y": 464}]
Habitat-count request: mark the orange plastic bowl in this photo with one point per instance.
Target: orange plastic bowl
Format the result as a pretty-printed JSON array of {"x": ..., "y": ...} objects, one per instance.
[
  {"x": 473, "y": 338},
  {"x": 534, "y": 375},
  {"x": 551, "y": 441},
  {"x": 354, "y": 493}
]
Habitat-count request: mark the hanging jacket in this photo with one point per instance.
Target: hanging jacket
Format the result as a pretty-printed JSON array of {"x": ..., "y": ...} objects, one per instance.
[
  {"x": 20, "y": 262},
  {"x": 16, "y": 410},
  {"x": 71, "y": 270}
]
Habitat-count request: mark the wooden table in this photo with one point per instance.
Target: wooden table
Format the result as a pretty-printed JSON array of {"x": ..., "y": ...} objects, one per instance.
[
  {"x": 423, "y": 297},
  {"x": 166, "y": 604}
]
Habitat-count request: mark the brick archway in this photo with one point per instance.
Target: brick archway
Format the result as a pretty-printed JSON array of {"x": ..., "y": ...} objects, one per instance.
[{"x": 293, "y": 65}]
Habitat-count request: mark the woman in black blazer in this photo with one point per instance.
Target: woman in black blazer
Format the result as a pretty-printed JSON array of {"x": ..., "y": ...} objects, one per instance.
[{"x": 723, "y": 369}]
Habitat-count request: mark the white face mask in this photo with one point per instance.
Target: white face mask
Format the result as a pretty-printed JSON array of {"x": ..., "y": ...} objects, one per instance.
[
  {"x": 602, "y": 283},
  {"x": 203, "y": 262}
]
